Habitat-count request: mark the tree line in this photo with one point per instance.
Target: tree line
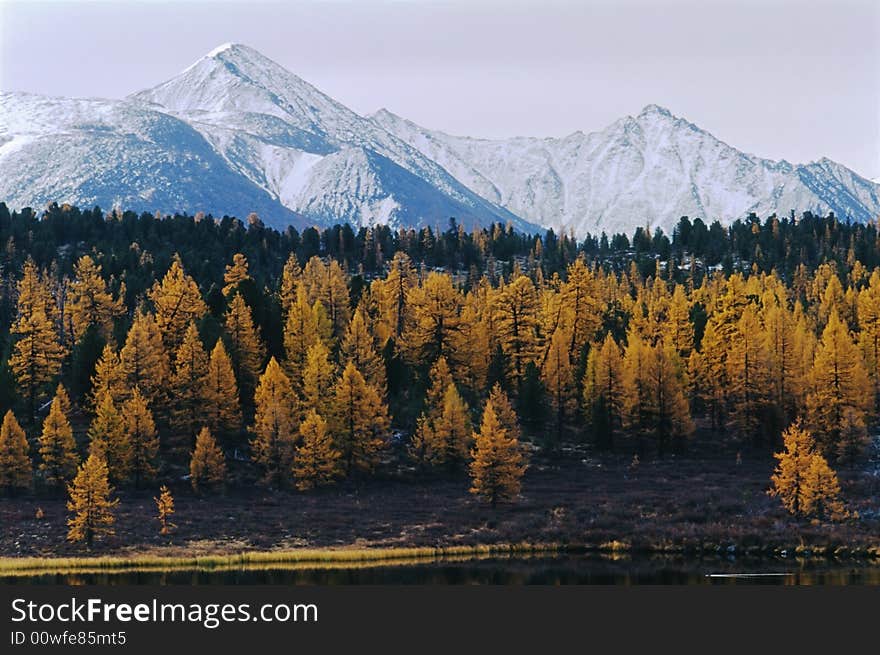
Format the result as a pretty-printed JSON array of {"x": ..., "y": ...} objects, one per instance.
[{"x": 307, "y": 372}]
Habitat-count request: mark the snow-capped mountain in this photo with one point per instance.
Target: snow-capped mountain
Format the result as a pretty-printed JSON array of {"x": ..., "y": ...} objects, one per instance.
[
  {"x": 310, "y": 152},
  {"x": 648, "y": 169},
  {"x": 235, "y": 133},
  {"x": 112, "y": 153}
]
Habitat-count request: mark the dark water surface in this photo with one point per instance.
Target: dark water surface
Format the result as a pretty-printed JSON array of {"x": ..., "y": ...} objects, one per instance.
[{"x": 561, "y": 570}]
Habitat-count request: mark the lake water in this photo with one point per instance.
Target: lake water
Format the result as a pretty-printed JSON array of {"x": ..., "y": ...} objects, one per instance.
[{"x": 543, "y": 570}]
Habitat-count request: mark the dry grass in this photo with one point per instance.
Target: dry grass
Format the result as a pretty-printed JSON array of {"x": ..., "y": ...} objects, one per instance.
[
  {"x": 699, "y": 502},
  {"x": 311, "y": 558}
]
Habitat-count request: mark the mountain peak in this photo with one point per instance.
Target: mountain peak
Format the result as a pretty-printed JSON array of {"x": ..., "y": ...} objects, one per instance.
[
  {"x": 222, "y": 48},
  {"x": 237, "y": 131},
  {"x": 384, "y": 114},
  {"x": 654, "y": 110},
  {"x": 239, "y": 51},
  {"x": 223, "y": 53},
  {"x": 235, "y": 77}
]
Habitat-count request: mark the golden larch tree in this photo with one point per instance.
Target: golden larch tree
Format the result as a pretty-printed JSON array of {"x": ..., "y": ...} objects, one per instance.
[
  {"x": 314, "y": 276},
  {"x": 164, "y": 508},
  {"x": 144, "y": 360},
  {"x": 275, "y": 429},
  {"x": 671, "y": 416},
  {"x": 359, "y": 422},
  {"x": 220, "y": 407},
  {"x": 187, "y": 388},
  {"x": 749, "y": 382},
  {"x": 554, "y": 315},
  {"x": 109, "y": 377},
  {"x": 178, "y": 302},
  {"x": 831, "y": 299},
  {"x": 443, "y": 432},
  {"x": 679, "y": 328},
  {"x": 805, "y": 345},
  {"x": 821, "y": 491},
  {"x": 650, "y": 313},
  {"x": 291, "y": 278},
  {"x": 326, "y": 283},
  {"x": 244, "y": 346},
  {"x": 207, "y": 465},
  {"x": 16, "y": 470},
  {"x": 300, "y": 334},
  {"x": 89, "y": 302},
  {"x": 37, "y": 351},
  {"x": 141, "y": 431},
  {"x": 316, "y": 462},
  {"x": 325, "y": 325},
  {"x": 517, "y": 322},
  {"x": 637, "y": 397},
  {"x": 582, "y": 311},
  {"x": 726, "y": 308},
  {"x": 391, "y": 298},
  {"x": 433, "y": 317},
  {"x": 57, "y": 447},
  {"x": 359, "y": 348},
  {"x": 803, "y": 481},
  {"x": 440, "y": 378},
  {"x": 603, "y": 390},
  {"x": 784, "y": 372},
  {"x": 712, "y": 373},
  {"x": 64, "y": 400},
  {"x": 335, "y": 298},
  {"x": 869, "y": 330},
  {"x": 317, "y": 379},
  {"x": 108, "y": 434},
  {"x": 497, "y": 465},
  {"x": 90, "y": 502},
  {"x": 557, "y": 374},
  {"x": 419, "y": 447},
  {"x": 471, "y": 343},
  {"x": 793, "y": 463},
  {"x": 452, "y": 430},
  {"x": 34, "y": 293},
  {"x": 235, "y": 274},
  {"x": 841, "y": 393},
  {"x": 505, "y": 412}
]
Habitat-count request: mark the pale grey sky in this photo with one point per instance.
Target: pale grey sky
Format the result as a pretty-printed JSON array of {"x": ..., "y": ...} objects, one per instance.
[{"x": 793, "y": 79}]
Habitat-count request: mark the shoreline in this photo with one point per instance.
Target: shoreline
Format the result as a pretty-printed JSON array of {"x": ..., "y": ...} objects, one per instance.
[
  {"x": 702, "y": 503},
  {"x": 358, "y": 557}
]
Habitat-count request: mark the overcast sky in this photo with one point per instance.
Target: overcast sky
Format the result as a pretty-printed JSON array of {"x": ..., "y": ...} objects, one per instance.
[{"x": 793, "y": 79}]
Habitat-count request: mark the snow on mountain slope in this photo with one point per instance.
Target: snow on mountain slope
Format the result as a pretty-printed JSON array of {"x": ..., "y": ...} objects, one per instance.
[
  {"x": 649, "y": 169},
  {"x": 359, "y": 181},
  {"x": 115, "y": 153},
  {"x": 235, "y": 133},
  {"x": 263, "y": 118}
]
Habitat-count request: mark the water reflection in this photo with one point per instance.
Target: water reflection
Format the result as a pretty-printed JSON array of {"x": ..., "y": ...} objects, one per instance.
[{"x": 544, "y": 570}]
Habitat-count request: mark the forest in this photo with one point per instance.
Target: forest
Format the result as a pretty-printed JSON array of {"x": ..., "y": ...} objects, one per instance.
[{"x": 210, "y": 355}]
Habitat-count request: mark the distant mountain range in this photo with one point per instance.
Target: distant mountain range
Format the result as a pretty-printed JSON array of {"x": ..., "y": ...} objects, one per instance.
[{"x": 236, "y": 133}]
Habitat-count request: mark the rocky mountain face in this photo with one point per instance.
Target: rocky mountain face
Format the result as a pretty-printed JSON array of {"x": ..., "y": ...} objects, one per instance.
[
  {"x": 236, "y": 133},
  {"x": 648, "y": 169}
]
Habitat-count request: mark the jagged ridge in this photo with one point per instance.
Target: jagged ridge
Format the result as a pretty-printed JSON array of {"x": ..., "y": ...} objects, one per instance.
[
  {"x": 235, "y": 132},
  {"x": 649, "y": 169}
]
